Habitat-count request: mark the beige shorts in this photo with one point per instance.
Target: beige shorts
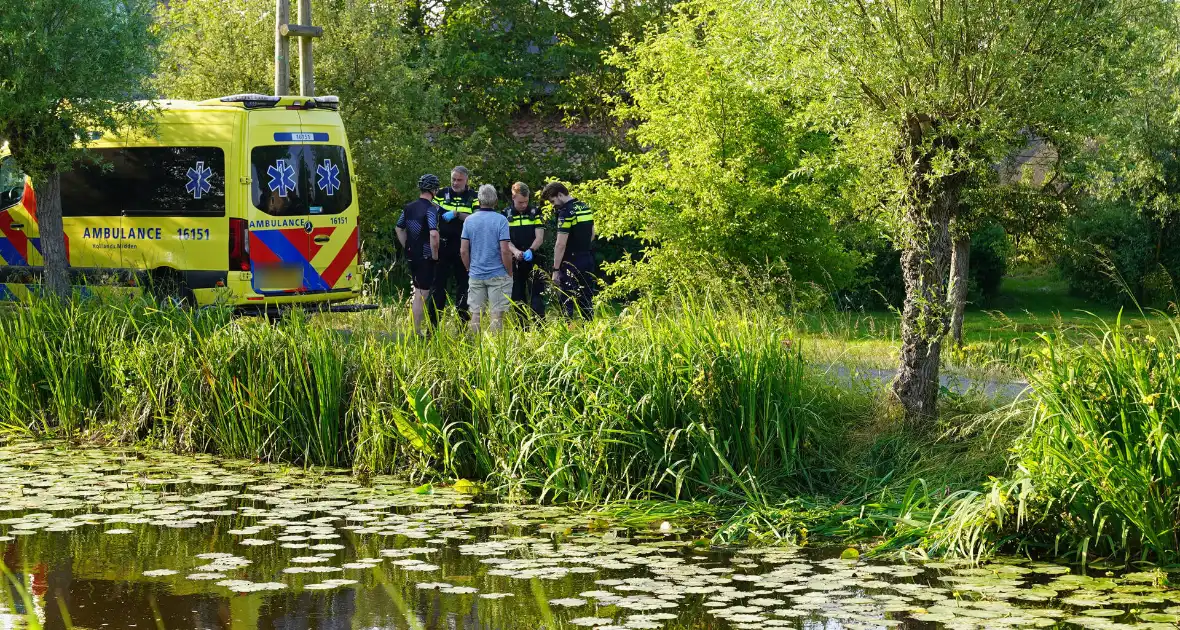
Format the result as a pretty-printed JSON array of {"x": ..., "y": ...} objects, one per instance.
[{"x": 497, "y": 290}]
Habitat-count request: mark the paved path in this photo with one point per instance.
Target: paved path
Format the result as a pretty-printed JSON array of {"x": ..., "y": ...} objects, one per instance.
[{"x": 1001, "y": 390}]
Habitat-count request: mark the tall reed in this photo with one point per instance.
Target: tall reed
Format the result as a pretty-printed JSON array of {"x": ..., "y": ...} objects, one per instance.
[
  {"x": 696, "y": 399},
  {"x": 1097, "y": 473}
]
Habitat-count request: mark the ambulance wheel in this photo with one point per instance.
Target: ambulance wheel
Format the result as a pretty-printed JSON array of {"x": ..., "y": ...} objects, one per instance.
[
  {"x": 168, "y": 287},
  {"x": 275, "y": 316}
]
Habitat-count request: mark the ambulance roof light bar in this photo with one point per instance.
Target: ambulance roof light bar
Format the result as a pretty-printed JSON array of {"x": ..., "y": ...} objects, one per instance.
[
  {"x": 251, "y": 101},
  {"x": 315, "y": 102},
  {"x": 327, "y": 102}
]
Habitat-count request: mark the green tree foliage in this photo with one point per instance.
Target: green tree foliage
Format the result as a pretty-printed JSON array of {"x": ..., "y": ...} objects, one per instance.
[
  {"x": 512, "y": 54},
  {"x": 924, "y": 94},
  {"x": 498, "y": 61},
  {"x": 535, "y": 56},
  {"x": 1136, "y": 161},
  {"x": 727, "y": 183},
  {"x": 213, "y": 48},
  {"x": 68, "y": 68}
]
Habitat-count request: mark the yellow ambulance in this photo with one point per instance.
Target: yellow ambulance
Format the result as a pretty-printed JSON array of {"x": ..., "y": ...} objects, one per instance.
[{"x": 246, "y": 200}]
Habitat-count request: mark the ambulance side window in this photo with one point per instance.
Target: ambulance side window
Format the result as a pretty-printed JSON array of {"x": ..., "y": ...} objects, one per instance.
[
  {"x": 146, "y": 181},
  {"x": 12, "y": 183}
]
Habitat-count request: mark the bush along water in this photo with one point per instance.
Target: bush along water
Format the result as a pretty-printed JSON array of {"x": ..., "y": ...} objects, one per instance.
[
  {"x": 1097, "y": 471},
  {"x": 688, "y": 402}
]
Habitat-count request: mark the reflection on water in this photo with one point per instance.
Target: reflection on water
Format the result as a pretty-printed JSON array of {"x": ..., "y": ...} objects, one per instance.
[{"x": 120, "y": 539}]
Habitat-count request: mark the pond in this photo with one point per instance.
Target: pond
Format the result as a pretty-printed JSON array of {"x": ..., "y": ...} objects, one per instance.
[{"x": 110, "y": 538}]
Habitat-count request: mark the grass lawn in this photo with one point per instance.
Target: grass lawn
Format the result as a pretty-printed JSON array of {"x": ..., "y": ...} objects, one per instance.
[
  {"x": 1029, "y": 304},
  {"x": 997, "y": 337}
]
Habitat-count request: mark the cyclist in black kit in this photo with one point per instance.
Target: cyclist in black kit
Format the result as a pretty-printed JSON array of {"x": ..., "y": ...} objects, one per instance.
[{"x": 417, "y": 231}]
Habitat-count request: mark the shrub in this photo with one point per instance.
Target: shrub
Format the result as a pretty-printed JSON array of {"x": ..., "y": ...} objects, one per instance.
[
  {"x": 723, "y": 171},
  {"x": 990, "y": 249},
  {"x": 879, "y": 285},
  {"x": 1108, "y": 249}
]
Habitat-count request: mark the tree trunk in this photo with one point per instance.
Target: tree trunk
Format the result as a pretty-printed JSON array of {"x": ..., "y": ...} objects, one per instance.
[
  {"x": 925, "y": 265},
  {"x": 55, "y": 279},
  {"x": 415, "y": 19},
  {"x": 960, "y": 265}
]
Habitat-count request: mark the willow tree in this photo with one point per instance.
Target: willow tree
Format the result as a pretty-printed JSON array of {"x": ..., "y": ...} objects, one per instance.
[
  {"x": 924, "y": 93},
  {"x": 68, "y": 68}
]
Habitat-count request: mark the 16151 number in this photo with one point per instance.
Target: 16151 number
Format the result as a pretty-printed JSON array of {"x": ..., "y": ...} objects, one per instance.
[{"x": 193, "y": 234}]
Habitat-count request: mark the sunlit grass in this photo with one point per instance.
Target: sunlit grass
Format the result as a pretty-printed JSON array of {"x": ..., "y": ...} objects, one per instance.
[
  {"x": 687, "y": 400},
  {"x": 691, "y": 412}
]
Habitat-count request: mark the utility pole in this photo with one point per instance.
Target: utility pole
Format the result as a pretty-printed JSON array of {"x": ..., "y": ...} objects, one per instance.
[
  {"x": 306, "y": 65},
  {"x": 282, "y": 49},
  {"x": 305, "y": 32}
]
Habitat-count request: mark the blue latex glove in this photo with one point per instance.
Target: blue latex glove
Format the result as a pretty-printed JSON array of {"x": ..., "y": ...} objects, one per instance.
[
  {"x": 528, "y": 255},
  {"x": 449, "y": 216}
]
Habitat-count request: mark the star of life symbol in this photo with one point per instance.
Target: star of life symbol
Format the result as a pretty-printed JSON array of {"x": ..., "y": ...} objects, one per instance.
[
  {"x": 282, "y": 177},
  {"x": 198, "y": 180},
  {"x": 329, "y": 177}
]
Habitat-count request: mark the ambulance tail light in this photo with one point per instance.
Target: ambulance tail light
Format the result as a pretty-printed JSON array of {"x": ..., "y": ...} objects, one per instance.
[{"x": 239, "y": 245}]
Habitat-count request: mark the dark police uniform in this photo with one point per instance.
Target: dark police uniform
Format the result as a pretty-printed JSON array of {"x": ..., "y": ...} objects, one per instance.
[
  {"x": 450, "y": 263},
  {"x": 419, "y": 218},
  {"x": 577, "y": 266},
  {"x": 528, "y": 277}
]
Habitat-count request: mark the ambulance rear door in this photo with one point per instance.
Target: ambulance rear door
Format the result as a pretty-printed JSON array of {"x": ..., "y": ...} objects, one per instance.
[
  {"x": 280, "y": 232},
  {"x": 19, "y": 242},
  {"x": 332, "y": 204}
]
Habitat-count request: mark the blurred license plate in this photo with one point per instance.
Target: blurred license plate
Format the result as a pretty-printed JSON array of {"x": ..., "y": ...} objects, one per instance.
[{"x": 278, "y": 277}]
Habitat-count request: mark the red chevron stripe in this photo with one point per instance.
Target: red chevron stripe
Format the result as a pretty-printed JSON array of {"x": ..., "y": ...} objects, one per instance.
[
  {"x": 260, "y": 253},
  {"x": 18, "y": 238},
  {"x": 29, "y": 200},
  {"x": 298, "y": 239},
  {"x": 316, "y": 247},
  {"x": 342, "y": 260}
]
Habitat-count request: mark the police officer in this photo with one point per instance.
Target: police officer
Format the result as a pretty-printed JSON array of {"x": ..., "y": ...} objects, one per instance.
[
  {"x": 573, "y": 255},
  {"x": 456, "y": 203},
  {"x": 417, "y": 230},
  {"x": 527, "y": 231}
]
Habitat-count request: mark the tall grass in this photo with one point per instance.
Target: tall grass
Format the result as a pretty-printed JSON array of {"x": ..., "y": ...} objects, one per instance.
[
  {"x": 695, "y": 400},
  {"x": 1097, "y": 472}
]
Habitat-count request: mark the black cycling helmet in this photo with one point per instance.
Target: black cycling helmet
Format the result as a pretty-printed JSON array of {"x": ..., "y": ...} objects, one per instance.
[{"x": 429, "y": 182}]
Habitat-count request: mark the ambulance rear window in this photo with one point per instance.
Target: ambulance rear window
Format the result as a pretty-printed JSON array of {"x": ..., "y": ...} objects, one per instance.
[
  {"x": 300, "y": 179},
  {"x": 12, "y": 183},
  {"x": 146, "y": 181}
]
